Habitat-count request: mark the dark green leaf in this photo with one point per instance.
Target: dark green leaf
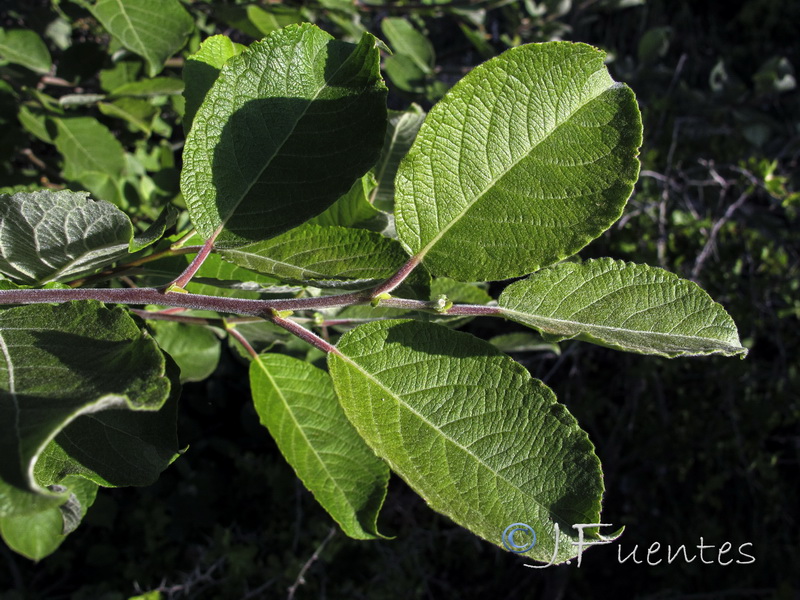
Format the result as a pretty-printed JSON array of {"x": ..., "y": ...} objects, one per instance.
[
  {"x": 25, "y": 47},
  {"x": 285, "y": 130}
]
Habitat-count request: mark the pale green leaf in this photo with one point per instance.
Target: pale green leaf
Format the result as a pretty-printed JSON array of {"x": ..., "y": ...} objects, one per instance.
[
  {"x": 526, "y": 160},
  {"x": 38, "y": 534},
  {"x": 623, "y": 306},
  {"x": 88, "y": 147},
  {"x": 296, "y": 402},
  {"x": 272, "y": 17},
  {"x": 201, "y": 71},
  {"x": 153, "y": 29},
  {"x": 470, "y": 430},
  {"x": 322, "y": 256},
  {"x": 56, "y": 236},
  {"x": 149, "y": 88},
  {"x": 196, "y": 349},
  {"x": 74, "y": 368},
  {"x": 139, "y": 113},
  {"x": 285, "y": 130},
  {"x": 407, "y": 41},
  {"x": 400, "y": 133},
  {"x": 25, "y": 47}
]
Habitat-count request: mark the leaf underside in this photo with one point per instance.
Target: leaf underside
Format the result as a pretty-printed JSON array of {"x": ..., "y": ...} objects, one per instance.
[
  {"x": 625, "y": 306},
  {"x": 469, "y": 430}
]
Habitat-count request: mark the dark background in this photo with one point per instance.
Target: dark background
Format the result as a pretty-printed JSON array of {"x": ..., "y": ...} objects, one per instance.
[{"x": 693, "y": 448}]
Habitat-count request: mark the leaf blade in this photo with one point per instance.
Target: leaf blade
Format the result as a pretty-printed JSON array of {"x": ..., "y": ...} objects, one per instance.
[
  {"x": 467, "y": 428},
  {"x": 255, "y": 140},
  {"x": 153, "y": 29},
  {"x": 296, "y": 402},
  {"x": 553, "y": 160},
  {"x": 667, "y": 320}
]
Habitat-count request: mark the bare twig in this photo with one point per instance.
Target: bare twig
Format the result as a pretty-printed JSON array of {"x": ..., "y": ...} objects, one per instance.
[{"x": 314, "y": 557}]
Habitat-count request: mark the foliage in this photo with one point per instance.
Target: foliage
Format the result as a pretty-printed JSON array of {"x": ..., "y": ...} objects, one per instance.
[{"x": 117, "y": 136}]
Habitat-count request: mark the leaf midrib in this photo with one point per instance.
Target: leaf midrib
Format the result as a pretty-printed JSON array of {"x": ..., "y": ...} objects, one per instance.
[{"x": 491, "y": 184}]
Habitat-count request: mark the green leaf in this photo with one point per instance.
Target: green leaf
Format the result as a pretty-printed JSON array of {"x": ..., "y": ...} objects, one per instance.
[
  {"x": 322, "y": 256},
  {"x": 88, "y": 147},
  {"x": 405, "y": 74},
  {"x": 522, "y": 341},
  {"x": 354, "y": 208},
  {"x": 139, "y": 113},
  {"x": 285, "y": 130},
  {"x": 272, "y": 18},
  {"x": 470, "y": 430},
  {"x": 623, "y": 306},
  {"x": 526, "y": 160},
  {"x": 407, "y": 41},
  {"x": 400, "y": 133},
  {"x": 149, "y": 88},
  {"x": 296, "y": 402},
  {"x": 153, "y": 29},
  {"x": 25, "y": 47},
  {"x": 196, "y": 349},
  {"x": 201, "y": 71},
  {"x": 78, "y": 368},
  {"x": 56, "y": 236},
  {"x": 38, "y": 534}
]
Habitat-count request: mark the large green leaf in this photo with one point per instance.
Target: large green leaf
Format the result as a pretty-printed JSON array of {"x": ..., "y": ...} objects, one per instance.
[
  {"x": 526, "y": 160},
  {"x": 56, "y": 236},
  {"x": 623, "y": 306},
  {"x": 79, "y": 374},
  {"x": 322, "y": 256},
  {"x": 153, "y": 29},
  {"x": 400, "y": 133},
  {"x": 469, "y": 430},
  {"x": 285, "y": 130},
  {"x": 296, "y": 402},
  {"x": 202, "y": 69},
  {"x": 25, "y": 47}
]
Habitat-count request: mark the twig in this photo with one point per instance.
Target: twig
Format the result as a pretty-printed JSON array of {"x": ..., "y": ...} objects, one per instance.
[
  {"x": 197, "y": 262},
  {"x": 314, "y": 557},
  {"x": 395, "y": 280},
  {"x": 712, "y": 238},
  {"x": 231, "y": 329}
]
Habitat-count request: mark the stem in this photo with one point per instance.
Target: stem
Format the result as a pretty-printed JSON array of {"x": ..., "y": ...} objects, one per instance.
[
  {"x": 196, "y": 263},
  {"x": 303, "y": 333},
  {"x": 398, "y": 278},
  {"x": 242, "y": 340},
  {"x": 125, "y": 267},
  {"x": 256, "y": 308}
]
